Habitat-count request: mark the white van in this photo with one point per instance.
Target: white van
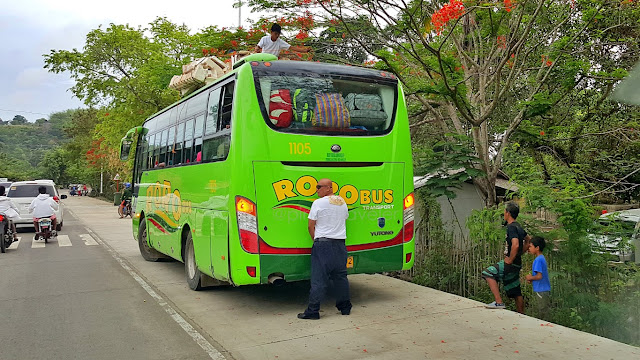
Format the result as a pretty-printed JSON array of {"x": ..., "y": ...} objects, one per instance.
[{"x": 22, "y": 194}]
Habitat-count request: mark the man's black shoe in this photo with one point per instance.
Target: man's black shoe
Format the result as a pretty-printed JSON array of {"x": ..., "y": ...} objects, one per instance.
[
  {"x": 346, "y": 311},
  {"x": 306, "y": 316}
]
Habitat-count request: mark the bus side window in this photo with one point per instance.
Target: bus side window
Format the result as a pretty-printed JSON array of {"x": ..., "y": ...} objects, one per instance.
[
  {"x": 213, "y": 112},
  {"x": 188, "y": 141},
  {"x": 177, "y": 156},
  {"x": 156, "y": 149},
  {"x": 197, "y": 143},
  {"x": 152, "y": 147},
  {"x": 217, "y": 140},
  {"x": 163, "y": 147},
  {"x": 227, "y": 102},
  {"x": 171, "y": 145},
  {"x": 216, "y": 148}
]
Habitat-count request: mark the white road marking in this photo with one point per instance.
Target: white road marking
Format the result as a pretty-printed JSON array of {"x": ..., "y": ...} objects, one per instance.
[
  {"x": 88, "y": 239},
  {"x": 36, "y": 244},
  {"x": 15, "y": 244},
  {"x": 63, "y": 240},
  {"x": 184, "y": 324}
]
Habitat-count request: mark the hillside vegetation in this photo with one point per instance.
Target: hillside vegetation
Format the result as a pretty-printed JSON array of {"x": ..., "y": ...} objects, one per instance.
[{"x": 23, "y": 147}]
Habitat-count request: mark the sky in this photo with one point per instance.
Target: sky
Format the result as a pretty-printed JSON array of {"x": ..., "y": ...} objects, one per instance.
[{"x": 31, "y": 28}]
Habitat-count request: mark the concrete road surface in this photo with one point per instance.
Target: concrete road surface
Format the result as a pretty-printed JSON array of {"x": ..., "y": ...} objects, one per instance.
[
  {"x": 391, "y": 319},
  {"x": 69, "y": 299}
]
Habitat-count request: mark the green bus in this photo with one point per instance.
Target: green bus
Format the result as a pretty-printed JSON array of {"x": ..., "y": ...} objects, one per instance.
[{"x": 224, "y": 178}]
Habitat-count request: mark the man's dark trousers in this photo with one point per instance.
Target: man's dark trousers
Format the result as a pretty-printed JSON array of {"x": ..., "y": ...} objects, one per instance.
[{"x": 329, "y": 261}]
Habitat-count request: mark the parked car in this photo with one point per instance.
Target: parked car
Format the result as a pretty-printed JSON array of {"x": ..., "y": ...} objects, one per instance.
[
  {"x": 618, "y": 234},
  {"x": 23, "y": 192}
]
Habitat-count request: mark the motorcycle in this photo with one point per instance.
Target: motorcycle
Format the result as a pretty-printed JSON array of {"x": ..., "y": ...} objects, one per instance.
[
  {"x": 125, "y": 210},
  {"x": 6, "y": 233},
  {"x": 44, "y": 230}
]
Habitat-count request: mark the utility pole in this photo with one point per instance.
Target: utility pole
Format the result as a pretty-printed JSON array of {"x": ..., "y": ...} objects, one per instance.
[{"x": 239, "y": 14}]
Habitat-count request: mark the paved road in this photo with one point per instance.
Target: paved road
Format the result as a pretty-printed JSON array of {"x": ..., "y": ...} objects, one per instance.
[
  {"x": 69, "y": 299},
  {"x": 391, "y": 319}
]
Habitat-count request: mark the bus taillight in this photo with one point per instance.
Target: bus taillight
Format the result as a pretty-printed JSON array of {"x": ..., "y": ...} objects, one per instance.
[
  {"x": 251, "y": 271},
  {"x": 247, "y": 224},
  {"x": 407, "y": 229}
]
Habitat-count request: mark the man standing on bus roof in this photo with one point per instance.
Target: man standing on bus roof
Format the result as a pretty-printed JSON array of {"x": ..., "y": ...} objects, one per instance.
[
  {"x": 272, "y": 44},
  {"x": 328, "y": 230}
]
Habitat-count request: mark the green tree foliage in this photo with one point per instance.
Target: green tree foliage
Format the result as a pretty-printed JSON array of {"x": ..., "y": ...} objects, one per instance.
[
  {"x": 23, "y": 147},
  {"x": 123, "y": 73},
  {"x": 482, "y": 69},
  {"x": 19, "y": 120},
  {"x": 54, "y": 166},
  {"x": 446, "y": 166}
]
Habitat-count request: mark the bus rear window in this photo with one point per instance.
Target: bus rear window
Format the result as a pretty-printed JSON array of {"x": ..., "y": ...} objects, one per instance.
[{"x": 328, "y": 105}]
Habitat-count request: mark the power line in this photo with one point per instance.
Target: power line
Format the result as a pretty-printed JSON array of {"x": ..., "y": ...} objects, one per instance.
[{"x": 23, "y": 111}]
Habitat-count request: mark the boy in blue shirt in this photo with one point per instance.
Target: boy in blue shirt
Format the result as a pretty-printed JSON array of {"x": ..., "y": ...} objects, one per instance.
[{"x": 539, "y": 278}]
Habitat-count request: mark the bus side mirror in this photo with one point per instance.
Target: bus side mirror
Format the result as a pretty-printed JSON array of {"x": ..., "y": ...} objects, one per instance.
[{"x": 125, "y": 149}]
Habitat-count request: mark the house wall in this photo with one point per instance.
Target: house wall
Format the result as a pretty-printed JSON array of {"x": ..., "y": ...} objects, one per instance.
[{"x": 454, "y": 219}]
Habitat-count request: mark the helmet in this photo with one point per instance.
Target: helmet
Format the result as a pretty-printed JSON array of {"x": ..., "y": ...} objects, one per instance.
[{"x": 127, "y": 185}]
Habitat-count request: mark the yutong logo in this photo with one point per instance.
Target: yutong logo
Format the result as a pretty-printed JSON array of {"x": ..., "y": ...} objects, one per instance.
[
  {"x": 306, "y": 186},
  {"x": 379, "y": 233}
]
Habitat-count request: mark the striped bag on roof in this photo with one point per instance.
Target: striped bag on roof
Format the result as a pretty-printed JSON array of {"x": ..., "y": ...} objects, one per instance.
[{"x": 331, "y": 111}]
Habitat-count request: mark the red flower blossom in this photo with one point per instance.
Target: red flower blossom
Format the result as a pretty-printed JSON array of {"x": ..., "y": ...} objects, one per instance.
[
  {"x": 502, "y": 41},
  {"x": 509, "y": 5},
  {"x": 234, "y": 43},
  {"x": 302, "y": 35},
  {"x": 451, "y": 11}
]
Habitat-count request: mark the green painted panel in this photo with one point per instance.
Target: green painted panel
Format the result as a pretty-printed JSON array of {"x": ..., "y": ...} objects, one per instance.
[
  {"x": 298, "y": 267},
  {"x": 219, "y": 244}
]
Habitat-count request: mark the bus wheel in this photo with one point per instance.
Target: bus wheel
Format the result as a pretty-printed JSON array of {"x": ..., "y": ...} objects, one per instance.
[
  {"x": 190, "y": 267},
  {"x": 148, "y": 253}
]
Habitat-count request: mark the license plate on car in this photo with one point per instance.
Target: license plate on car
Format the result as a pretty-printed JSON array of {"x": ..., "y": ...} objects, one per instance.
[{"x": 350, "y": 262}]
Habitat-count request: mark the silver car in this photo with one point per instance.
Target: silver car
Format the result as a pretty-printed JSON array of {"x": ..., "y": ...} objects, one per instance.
[
  {"x": 22, "y": 194},
  {"x": 618, "y": 234}
]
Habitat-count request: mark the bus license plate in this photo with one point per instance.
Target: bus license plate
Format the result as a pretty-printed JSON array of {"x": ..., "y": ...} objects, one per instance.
[{"x": 350, "y": 262}]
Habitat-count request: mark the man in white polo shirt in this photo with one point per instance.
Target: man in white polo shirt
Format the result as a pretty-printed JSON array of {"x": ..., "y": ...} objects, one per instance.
[
  {"x": 272, "y": 44},
  {"x": 328, "y": 230}
]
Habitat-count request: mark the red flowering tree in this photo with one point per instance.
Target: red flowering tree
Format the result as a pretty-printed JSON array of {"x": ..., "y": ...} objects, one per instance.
[{"x": 483, "y": 69}]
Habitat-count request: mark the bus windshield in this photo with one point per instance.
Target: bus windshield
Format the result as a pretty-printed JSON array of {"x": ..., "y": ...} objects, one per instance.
[{"x": 326, "y": 104}]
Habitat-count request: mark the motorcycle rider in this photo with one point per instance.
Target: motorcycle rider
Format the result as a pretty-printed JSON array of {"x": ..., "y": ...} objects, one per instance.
[
  {"x": 43, "y": 206},
  {"x": 8, "y": 209},
  {"x": 126, "y": 195}
]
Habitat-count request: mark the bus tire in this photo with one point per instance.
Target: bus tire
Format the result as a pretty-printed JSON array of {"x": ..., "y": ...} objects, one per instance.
[
  {"x": 147, "y": 252},
  {"x": 190, "y": 267}
]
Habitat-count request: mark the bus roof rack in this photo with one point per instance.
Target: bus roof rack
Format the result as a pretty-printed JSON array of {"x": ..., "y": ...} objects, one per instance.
[{"x": 254, "y": 57}]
